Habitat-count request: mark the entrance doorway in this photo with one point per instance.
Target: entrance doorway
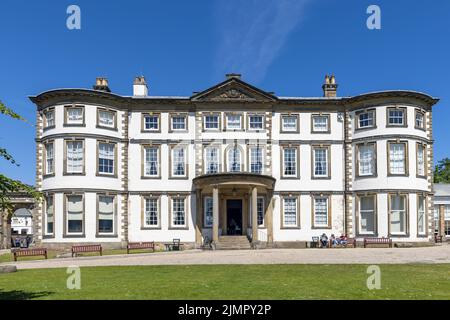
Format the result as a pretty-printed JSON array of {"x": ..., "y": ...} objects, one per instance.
[{"x": 234, "y": 217}]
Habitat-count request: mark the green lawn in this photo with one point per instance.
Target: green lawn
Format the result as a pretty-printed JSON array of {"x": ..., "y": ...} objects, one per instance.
[{"x": 231, "y": 282}]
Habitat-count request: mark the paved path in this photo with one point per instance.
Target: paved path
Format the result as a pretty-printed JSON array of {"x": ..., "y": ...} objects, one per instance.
[{"x": 437, "y": 254}]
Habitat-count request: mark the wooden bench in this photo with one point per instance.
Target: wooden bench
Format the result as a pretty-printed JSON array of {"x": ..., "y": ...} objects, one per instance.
[
  {"x": 314, "y": 243},
  {"x": 86, "y": 248},
  {"x": 387, "y": 241},
  {"x": 437, "y": 238},
  {"x": 350, "y": 242},
  {"x": 30, "y": 252},
  {"x": 140, "y": 245}
]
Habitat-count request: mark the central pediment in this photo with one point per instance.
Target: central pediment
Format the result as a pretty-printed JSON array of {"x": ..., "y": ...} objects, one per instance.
[{"x": 233, "y": 90}]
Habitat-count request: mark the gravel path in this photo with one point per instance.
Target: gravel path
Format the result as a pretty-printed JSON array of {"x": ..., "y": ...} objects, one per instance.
[{"x": 437, "y": 254}]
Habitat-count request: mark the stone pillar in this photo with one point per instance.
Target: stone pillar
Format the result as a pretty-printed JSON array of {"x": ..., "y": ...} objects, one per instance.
[
  {"x": 215, "y": 230},
  {"x": 269, "y": 218},
  {"x": 254, "y": 214},
  {"x": 441, "y": 220}
]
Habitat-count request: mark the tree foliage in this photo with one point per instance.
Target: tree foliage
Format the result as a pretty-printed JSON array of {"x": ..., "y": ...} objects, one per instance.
[
  {"x": 442, "y": 171},
  {"x": 8, "y": 185}
]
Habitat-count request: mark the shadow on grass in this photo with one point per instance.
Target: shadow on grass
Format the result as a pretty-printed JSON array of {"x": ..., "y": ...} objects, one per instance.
[{"x": 22, "y": 295}]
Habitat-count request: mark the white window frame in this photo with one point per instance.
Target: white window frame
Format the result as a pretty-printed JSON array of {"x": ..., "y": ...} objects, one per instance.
[
  {"x": 208, "y": 208},
  {"x": 370, "y": 119},
  {"x": 294, "y": 129},
  {"x": 327, "y": 163},
  {"x": 50, "y": 158},
  {"x": 110, "y": 123},
  {"x": 396, "y": 116},
  {"x": 327, "y": 213},
  {"x": 421, "y": 199},
  {"x": 421, "y": 161},
  {"x": 70, "y": 163},
  {"x": 174, "y": 158},
  {"x": 108, "y": 157},
  {"x": 147, "y": 203},
  {"x": 320, "y": 129},
  {"x": 207, "y": 124},
  {"x": 174, "y": 200},
  {"x": 74, "y": 122},
  {"x": 173, "y": 116},
  {"x": 366, "y": 162},
  {"x": 233, "y": 115},
  {"x": 52, "y": 197},
  {"x": 394, "y": 159},
  {"x": 290, "y": 223},
  {"x": 231, "y": 164},
  {"x": 254, "y": 163},
  {"x": 113, "y": 215},
  {"x": 252, "y": 123},
  {"x": 68, "y": 232},
  {"x": 208, "y": 160},
  {"x": 372, "y": 212},
  {"x": 151, "y": 116},
  {"x": 148, "y": 162},
  {"x": 48, "y": 120},
  {"x": 296, "y": 158},
  {"x": 403, "y": 212}
]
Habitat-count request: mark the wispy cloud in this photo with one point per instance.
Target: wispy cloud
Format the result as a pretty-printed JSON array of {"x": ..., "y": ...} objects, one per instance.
[{"x": 252, "y": 33}]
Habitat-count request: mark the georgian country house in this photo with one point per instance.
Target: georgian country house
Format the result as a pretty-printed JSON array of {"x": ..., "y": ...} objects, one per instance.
[{"x": 232, "y": 162}]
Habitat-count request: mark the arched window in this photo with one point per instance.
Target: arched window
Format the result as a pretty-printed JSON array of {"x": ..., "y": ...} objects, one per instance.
[{"x": 234, "y": 159}]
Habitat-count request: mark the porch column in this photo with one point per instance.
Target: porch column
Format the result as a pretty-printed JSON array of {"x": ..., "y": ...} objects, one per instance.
[
  {"x": 215, "y": 230},
  {"x": 198, "y": 219},
  {"x": 254, "y": 214},
  {"x": 269, "y": 218}
]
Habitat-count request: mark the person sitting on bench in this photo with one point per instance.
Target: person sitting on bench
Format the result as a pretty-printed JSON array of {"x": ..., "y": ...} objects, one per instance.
[
  {"x": 324, "y": 240},
  {"x": 333, "y": 241},
  {"x": 343, "y": 240}
]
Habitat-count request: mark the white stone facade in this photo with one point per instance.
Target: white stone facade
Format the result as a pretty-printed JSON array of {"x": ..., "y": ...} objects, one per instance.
[{"x": 350, "y": 165}]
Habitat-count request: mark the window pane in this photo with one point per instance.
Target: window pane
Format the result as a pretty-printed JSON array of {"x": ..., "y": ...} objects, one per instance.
[
  {"x": 105, "y": 214},
  {"x": 366, "y": 119},
  {"x": 151, "y": 212},
  {"x": 74, "y": 156},
  {"x": 178, "y": 166},
  {"x": 208, "y": 212},
  {"x": 398, "y": 213},
  {"x": 397, "y": 158},
  {"x": 366, "y": 160},
  {"x": 106, "y": 118},
  {"x": 320, "y": 123},
  {"x": 290, "y": 212},
  {"x": 256, "y": 122},
  {"x": 212, "y": 160},
  {"x": 106, "y": 158},
  {"x": 396, "y": 117},
  {"x": 289, "y": 123},
  {"x": 260, "y": 211},
  {"x": 234, "y": 159},
  {"x": 420, "y": 160},
  {"x": 234, "y": 121},
  {"x": 321, "y": 211},
  {"x": 212, "y": 122},
  {"x": 151, "y": 122},
  {"x": 421, "y": 220},
  {"x": 49, "y": 210},
  {"x": 75, "y": 213},
  {"x": 367, "y": 214},
  {"x": 178, "y": 123},
  {"x": 320, "y": 162},
  {"x": 151, "y": 161},
  {"x": 49, "y": 166},
  {"x": 49, "y": 118},
  {"x": 74, "y": 115},
  {"x": 256, "y": 160},
  {"x": 178, "y": 212},
  {"x": 290, "y": 161},
  {"x": 419, "y": 120}
]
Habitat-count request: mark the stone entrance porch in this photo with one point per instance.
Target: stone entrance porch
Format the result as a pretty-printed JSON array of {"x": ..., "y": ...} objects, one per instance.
[{"x": 234, "y": 196}]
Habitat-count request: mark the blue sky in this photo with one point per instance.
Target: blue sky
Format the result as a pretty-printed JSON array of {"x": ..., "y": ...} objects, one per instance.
[{"x": 285, "y": 46}]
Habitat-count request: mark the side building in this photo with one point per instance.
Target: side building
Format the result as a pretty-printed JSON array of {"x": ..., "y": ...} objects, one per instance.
[{"x": 232, "y": 160}]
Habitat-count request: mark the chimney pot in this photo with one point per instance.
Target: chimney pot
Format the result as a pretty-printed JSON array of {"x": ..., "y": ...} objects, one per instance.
[
  {"x": 330, "y": 87},
  {"x": 101, "y": 84}
]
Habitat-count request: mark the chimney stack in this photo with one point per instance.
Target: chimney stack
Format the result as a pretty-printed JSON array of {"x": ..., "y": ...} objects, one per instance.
[
  {"x": 101, "y": 84},
  {"x": 233, "y": 75},
  {"x": 329, "y": 87},
  {"x": 140, "y": 88}
]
